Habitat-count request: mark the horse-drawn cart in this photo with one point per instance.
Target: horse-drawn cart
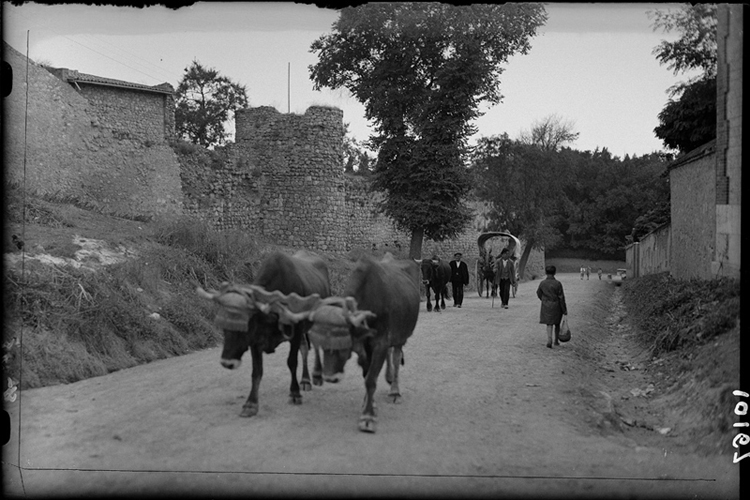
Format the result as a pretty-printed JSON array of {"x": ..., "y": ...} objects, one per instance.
[{"x": 494, "y": 240}]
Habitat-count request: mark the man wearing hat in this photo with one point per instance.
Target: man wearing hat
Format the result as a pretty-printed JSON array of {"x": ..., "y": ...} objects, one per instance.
[{"x": 459, "y": 278}]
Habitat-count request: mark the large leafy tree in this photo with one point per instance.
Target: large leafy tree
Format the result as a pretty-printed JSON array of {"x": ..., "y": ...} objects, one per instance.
[
  {"x": 522, "y": 183},
  {"x": 421, "y": 70},
  {"x": 205, "y": 101},
  {"x": 605, "y": 198},
  {"x": 688, "y": 120}
]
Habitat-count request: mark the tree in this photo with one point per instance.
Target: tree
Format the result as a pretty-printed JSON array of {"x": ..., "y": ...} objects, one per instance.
[
  {"x": 521, "y": 181},
  {"x": 606, "y": 196},
  {"x": 550, "y": 133},
  {"x": 355, "y": 154},
  {"x": 688, "y": 120},
  {"x": 421, "y": 70},
  {"x": 205, "y": 101}
]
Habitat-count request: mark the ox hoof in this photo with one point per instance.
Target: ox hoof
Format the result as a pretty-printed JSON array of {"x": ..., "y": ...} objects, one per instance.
[
  {"x": 395, "y": 398},
  {"x": 295, "y": 399},
  {"x": 317, "y": 380},
  {"x": 249, "y": 411},
  {"x": 367, "y": 424},
  {"x": 305, "y": 385}
]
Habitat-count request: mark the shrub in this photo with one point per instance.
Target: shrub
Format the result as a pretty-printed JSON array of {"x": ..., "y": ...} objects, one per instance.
[{"x": 676, "y": 313}]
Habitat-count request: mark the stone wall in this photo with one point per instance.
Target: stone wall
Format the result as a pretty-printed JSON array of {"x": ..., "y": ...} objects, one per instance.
[
  {"x": 132, "y": 114},
  {"x": 284, "y": 180},
  {"x": 75, "y": 148},
  {"x": 693, "y": 214},
  {"x": 651, "y": 255},
  {"x": 727, "y": 257}
]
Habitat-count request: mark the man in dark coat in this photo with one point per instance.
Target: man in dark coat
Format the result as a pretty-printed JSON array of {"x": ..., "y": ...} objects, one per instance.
[
  {"x": 505, "y": 276},
  {"x": 550, "y": 292},
  {"x": 459, "y": 278}
]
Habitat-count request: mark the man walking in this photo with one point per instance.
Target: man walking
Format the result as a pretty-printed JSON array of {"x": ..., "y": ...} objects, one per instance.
[
  {"x": 505, "y": 276},
  {"x": 459, "y": 278}
]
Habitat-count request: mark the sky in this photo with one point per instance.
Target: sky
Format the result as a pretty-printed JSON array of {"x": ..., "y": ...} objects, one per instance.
[{"x": 590, "y": 64}]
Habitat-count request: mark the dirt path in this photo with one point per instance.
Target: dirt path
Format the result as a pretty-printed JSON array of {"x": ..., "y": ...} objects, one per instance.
[{"x": 487, "y": 410}]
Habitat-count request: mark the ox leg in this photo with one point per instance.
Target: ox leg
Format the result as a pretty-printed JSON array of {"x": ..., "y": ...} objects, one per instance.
[
  {"x": 294, "y": 394},
  {"x": 437, "y": 300},
  {"x": 394, "y": 361},
  {"x": 318, "y": 368},
  {"x": 443, "y": 295},
  {"x": 250, "y": 408},
  {"x": 367, "y": 420},
  {"x": 389, "y": 366},
  {"x": 304, "y": 348},
  {"x": 429, "y": 304}
]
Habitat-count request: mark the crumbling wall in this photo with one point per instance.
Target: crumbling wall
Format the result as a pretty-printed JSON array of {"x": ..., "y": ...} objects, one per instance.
[{"x": 74, "y": 148}]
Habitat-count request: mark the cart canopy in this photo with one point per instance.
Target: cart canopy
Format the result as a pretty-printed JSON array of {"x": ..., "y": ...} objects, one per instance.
[{"x": 514, "y": 244}]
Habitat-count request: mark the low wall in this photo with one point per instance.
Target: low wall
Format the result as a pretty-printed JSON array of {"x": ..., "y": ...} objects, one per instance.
[{"x": 651, "y": 255}]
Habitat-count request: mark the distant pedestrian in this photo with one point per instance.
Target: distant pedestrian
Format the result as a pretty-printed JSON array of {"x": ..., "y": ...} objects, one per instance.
[
  {"x": 514, "y": 286},
  {"x": 600, "y": 273},
  {"x": 459, "y": 278},
  {"x": 505, "y": 276},
  {"x": 588, "y": 271},
  {"x": 550, "y": 292},
  {"x": 583, "y": 271}
]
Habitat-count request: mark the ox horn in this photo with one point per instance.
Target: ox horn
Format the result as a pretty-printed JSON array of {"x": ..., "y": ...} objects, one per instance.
[{"x": 206, "y": 295}]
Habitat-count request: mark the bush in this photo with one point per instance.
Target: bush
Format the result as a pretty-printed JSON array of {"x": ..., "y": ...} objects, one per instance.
[
  {"x": 228, "y": 252},
  {"x": 676, "y": 313},
  {"x": 77, "y": 323}
]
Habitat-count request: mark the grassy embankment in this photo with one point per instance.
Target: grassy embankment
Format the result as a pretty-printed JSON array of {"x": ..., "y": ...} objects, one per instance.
[
  {"x": 78, "y": 323},
  {"x": 75, "y": 323},
  {"x": 692, "y": 330}
]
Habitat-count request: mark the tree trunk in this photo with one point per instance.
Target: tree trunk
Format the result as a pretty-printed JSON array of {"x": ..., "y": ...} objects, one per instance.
[
  {"x": 415, "y": 247},
  {"x": 525, "y": 257}
]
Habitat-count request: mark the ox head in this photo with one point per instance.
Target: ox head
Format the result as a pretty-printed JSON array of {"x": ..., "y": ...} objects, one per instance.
[
  {"x": 429, "y": 269},
  {"x": 338, "y": 327},
  {"x": 250, "y": 313}
]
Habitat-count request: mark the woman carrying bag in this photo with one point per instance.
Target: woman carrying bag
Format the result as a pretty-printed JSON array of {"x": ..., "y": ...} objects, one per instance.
[{"x": 554, "y": 309}]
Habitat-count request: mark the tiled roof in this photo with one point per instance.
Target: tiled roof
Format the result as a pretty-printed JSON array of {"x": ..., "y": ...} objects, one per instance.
[{"x": 71, "y": 75}]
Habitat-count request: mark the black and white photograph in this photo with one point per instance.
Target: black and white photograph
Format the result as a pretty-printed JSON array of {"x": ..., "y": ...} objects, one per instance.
[{"x": 386, "y": 249}]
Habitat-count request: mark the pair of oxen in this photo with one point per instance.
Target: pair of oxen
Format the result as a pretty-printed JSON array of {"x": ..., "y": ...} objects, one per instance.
[{"x": 290, "y": 300}]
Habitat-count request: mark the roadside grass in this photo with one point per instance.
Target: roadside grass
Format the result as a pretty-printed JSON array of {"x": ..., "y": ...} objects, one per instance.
[
  {"x": 78, "y": 323},
  {"x": 692, "y": 330},
  {"x": 673, "y": 314}
]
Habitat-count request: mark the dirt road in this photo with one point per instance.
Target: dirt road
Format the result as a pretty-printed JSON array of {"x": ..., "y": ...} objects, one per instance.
[{"x": 487, "y": 409}]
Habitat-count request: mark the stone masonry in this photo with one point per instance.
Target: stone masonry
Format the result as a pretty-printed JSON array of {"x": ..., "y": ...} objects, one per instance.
[
  {"x": 105, "y": 145},
  {"x": 284, "y": 181}
]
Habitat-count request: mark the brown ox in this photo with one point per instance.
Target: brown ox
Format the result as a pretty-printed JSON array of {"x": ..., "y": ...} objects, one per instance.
[
  {"x": 250, "y": 320},
  {"x": 383, "y": 298}
]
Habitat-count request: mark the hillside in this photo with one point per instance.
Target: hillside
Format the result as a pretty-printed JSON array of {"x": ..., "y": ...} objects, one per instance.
[{"x": 102, "y": 293}]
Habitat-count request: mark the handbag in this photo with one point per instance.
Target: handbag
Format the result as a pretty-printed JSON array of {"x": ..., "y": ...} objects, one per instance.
[{"x": 564, "y": 334}]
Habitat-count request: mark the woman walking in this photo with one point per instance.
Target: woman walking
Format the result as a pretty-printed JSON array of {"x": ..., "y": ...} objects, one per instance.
[{"x": 550, "y": 292}]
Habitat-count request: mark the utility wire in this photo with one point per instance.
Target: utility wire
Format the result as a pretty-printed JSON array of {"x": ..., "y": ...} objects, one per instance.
[
  {"x": 105, "y": 55},
  {"x": 135, "y": 58}
]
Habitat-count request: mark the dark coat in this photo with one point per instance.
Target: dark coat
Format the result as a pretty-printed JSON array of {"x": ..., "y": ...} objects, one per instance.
[
  {"x": 550, "y": 292},
  {"x": 459, "y": 272},
  {"x": 509, "y": 274}
]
